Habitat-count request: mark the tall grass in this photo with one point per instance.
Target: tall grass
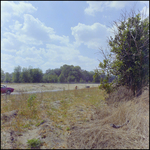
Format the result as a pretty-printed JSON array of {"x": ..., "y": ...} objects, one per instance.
[{"x": 99, "y": 134}]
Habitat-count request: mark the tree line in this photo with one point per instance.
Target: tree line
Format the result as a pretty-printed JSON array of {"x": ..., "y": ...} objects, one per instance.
[{"x": 64, "y": 74}]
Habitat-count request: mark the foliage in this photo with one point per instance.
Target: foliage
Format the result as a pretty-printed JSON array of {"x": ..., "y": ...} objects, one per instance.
[
  {"x": 37, "y": 75},
  {"x": 130, "y": 46},
  {"x": 39, "y": 123},
  {"x": 17, "y": 74},
  {"x": 25, "y": 75},
  {"x": 34, "y": 143},
  {"x": 64, "y": 74},
  {"x": 30, "y": 100},
  {"x": 67, "y": 129},
  {"x": 8, "y": 77},
  {"x": 61, "y": 78},
  {"x": 2, "y": 75}
]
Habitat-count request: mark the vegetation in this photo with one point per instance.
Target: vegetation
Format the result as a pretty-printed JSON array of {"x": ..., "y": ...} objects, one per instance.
[
  {"x": 34, "y": 143},
  {"x": 130, "y": 47},
  {"x": 84, "y": 115},
  {"x": 64, "y": 74}
]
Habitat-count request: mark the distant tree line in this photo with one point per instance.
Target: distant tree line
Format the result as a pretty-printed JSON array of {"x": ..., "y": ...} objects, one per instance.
[{"x": 64, "y": 74}]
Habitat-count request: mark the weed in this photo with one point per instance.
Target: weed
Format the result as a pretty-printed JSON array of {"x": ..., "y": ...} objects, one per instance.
[
  {"x": 34, "y": 143},
  {"x": 39, "y": 123},
  {"x": 67, "y": 129},
  {"x": 26, "y": 126},
  {"x": 30, "y": 100}
]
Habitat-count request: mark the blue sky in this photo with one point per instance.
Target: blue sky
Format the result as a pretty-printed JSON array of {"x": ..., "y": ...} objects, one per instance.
[{"x": 49, "y": 34}]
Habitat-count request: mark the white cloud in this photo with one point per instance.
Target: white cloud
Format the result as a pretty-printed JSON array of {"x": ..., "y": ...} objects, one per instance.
[
  {"x": 31, "y": 32},
  {"x": 10, "y": 8},
  {"x": 99, "y": 6},
  {"x": 64, "y": 53},
  {"x": 34, "y": 28},
  {"x": 93, "y": 36},
  {"x": 145, "y": 12},
  {"x": 117, "y": 4}
]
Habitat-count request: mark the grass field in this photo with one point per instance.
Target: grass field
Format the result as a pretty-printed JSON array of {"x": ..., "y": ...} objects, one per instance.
[
  {"x": 46, "y": 86},
  {"x": 74, "y": 118}
]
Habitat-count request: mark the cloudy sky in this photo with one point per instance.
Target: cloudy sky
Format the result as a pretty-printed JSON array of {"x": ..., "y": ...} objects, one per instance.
[{"x": 49, "y": 34}]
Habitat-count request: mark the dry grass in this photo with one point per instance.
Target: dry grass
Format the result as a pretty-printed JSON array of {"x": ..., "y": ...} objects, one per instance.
[
  {"x": 84, "y": 115},
  {"x": 26, "y": 87},
  {"x": 63, "y": 108},
  {"x": 99, "y": 134}
]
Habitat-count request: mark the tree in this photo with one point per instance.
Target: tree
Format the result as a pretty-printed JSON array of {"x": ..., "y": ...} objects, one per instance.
[
  {"x": 61, "y": 78},
  {"x": 17, "y": 74},
  {"x": 91, "y": 73},
  {"x": 46, "y": 78},
  {"x": 57, "y": 71},
  {"x": 66, "y": 69},
  {"x": 130, "y": 46},
  {"x": 85, "y": 75},
  {"x": 2, "y": 75},
  {"x": 53, "y": 78},
  {"x": 71, "y": 78},
  {"x": 7, "y": 77},
  {"x": 37, "y": 75},
  {"x": 25, "y": 75}
]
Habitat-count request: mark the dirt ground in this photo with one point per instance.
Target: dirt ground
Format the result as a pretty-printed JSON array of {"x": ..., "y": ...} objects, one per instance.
[{"x": 20, "y": 87}]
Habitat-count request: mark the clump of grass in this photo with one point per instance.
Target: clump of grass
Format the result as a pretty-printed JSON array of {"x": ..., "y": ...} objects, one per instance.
[
  {"x": 26, "y": 126},
  {"x": 39, "y": 123},
  {"x": 67, "y": 129},
  {"x": 34, "y": 143}
]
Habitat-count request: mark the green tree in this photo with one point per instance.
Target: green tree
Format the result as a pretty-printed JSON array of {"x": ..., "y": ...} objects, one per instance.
[
  {"x": 17, "y": 74},
  {"x": 53, "y": 78},
  {"x": 57, "y": 71},
  {"x": 61, "y": 78},
  {"x": 46, "y": 78},
  {"x": 130, "y": 46},
  {"x": 7, "y": 77},
  {"x": 25, "y": 75},
  {"x": 2, "y": 75},
  {"x": 66, "y": 69},
  {"x": 71, "y": 78},
  {"x": 37, "y": 75}
]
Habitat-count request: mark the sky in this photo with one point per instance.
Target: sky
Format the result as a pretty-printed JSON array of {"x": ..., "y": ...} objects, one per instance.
[{"x": 49, "y": 34}]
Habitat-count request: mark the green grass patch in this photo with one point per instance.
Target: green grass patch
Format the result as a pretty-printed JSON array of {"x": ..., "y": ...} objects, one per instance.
[{"x": 34, "y": 143}]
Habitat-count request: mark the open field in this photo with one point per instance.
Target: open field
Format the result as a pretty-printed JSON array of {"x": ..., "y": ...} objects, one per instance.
[
  {"x": 26, "y": 87},
  {"x": 75, "y": 119}
]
